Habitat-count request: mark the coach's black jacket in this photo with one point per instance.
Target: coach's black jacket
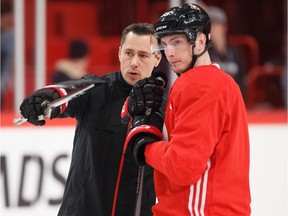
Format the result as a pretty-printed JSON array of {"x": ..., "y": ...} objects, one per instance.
[{"x": 97, "y": 149}]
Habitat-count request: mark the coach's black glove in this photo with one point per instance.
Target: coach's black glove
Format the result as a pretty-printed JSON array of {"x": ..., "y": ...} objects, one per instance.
[
  {"x": 33, "y": 105},
  {"x": 144, "y": 104}
]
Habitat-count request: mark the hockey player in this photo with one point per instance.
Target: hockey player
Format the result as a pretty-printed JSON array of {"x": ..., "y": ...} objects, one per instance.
[
  {"x": 203, "y": 167},
  {"x": 100, "y": 134}
]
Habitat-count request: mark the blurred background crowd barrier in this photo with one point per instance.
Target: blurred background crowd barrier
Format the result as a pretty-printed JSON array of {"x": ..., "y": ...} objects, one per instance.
[{"x": 46, "y": 27}]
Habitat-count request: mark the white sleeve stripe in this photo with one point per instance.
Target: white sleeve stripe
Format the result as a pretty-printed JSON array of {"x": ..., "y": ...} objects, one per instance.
[
  {"x": 190, "y": 199},
  {"x": 205, "y": 188},
  {"x": 199, "y": 194}
]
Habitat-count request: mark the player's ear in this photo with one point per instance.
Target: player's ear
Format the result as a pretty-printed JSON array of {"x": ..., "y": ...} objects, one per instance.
[{"x": 200, "y": 43}]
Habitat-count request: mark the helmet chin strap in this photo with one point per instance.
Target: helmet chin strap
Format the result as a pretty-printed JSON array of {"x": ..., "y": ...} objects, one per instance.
[{"x": 195, "y": 57}]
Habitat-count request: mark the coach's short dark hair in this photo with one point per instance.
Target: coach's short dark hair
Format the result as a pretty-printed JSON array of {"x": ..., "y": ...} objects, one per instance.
[{"x": 138, "y": 29}]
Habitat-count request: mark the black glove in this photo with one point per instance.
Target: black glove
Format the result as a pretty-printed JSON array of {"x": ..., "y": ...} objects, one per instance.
[
  {"x": 144, "y": 104},
  {"x": 144, "y": 130},
  {"x": 33, "y": 106},
  {"x": 146, "y": 96}
]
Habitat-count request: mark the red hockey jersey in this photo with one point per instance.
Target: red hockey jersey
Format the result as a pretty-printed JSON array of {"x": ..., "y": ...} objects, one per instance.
[{"x": 203, "y": 168}]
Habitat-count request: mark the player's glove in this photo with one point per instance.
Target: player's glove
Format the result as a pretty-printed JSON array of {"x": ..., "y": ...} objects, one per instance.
[
  {"x": 144, "y": 104},
  {"x": 34, "y": 105},
  {"x": 146, "y": 96},
  {"x": 144, "y": 130}
]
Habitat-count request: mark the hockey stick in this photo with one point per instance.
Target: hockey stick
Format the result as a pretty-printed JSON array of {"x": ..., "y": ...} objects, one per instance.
[
  {"x": 140, "y": 180},
  {"x": 55, "y": 103},
  {"x": 139, "y": 190},
  {"x": 126, "y": 118},
  {"x": 139, "y": 186}
]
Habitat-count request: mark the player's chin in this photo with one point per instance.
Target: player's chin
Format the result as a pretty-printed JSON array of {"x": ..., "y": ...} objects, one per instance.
[{"x": 177, "y": 69}]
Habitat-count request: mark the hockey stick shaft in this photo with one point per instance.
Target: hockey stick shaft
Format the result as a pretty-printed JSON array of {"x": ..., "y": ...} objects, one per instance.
[{"x": 139, "y": 190}]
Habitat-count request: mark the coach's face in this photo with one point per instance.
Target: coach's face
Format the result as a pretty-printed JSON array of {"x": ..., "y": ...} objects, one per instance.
[{"x": 136, "y": 59}]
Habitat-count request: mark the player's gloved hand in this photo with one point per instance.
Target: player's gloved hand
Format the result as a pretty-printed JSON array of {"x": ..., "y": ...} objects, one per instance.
[
  {"x": 144, "y": 130},
  {"x": 146, "y": 96},
  {"x": 144, "y": 104},
  {"x": 33, "y": 105}
]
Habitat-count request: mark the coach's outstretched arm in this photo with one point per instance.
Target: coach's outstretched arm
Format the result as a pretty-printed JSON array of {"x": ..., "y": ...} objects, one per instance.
[{"x": 34, "y": 106}]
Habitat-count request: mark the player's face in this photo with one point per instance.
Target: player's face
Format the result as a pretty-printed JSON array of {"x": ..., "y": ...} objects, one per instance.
[
  {"x": 136, "y": 58},
  {"x": 178, "y": 52}
]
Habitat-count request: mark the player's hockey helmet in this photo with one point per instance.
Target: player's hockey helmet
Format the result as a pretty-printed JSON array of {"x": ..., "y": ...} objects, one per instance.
[{"x": 187, "y": 19}]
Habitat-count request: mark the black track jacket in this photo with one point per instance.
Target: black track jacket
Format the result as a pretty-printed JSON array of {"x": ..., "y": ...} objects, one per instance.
[{"x": 97, "y": 150}]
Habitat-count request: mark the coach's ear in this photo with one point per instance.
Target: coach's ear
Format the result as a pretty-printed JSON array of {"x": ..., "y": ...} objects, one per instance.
[
  {"x": 158, "y": 57},
  {"x": 119, "y": 54}
]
